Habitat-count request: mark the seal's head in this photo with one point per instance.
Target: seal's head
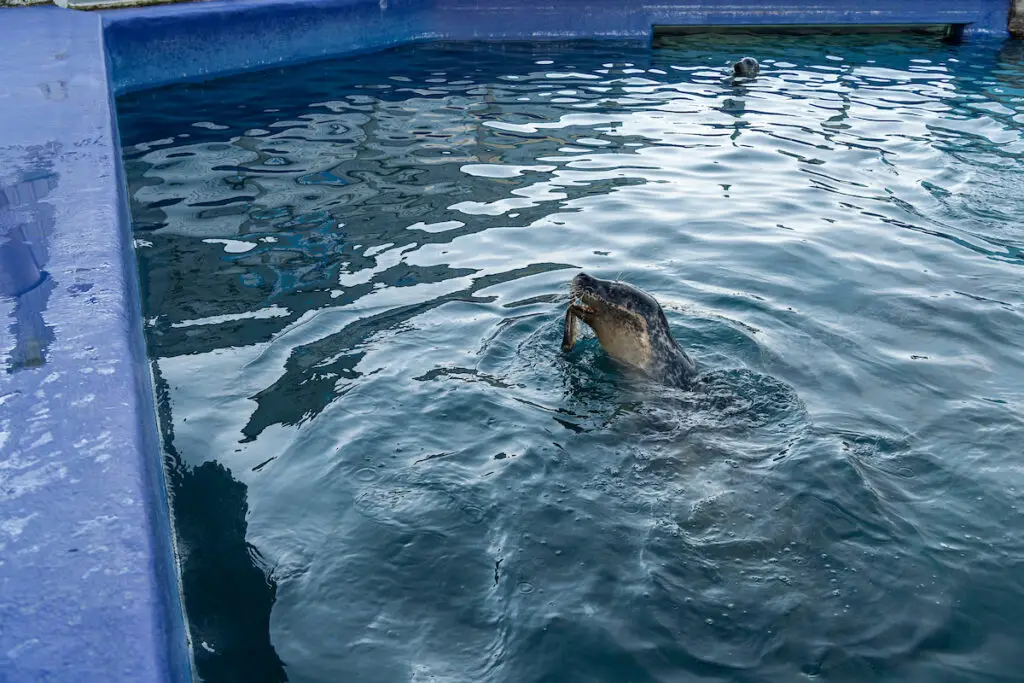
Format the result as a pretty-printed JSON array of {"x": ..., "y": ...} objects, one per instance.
[
  {"x": 630, "y": 325},
  {"x": 746, "y": 68}
]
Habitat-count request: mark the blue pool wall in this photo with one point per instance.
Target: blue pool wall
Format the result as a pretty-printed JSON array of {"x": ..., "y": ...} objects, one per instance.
[
  {"x": 165, "y": 44},
  {"x": 88, "y": 585}
]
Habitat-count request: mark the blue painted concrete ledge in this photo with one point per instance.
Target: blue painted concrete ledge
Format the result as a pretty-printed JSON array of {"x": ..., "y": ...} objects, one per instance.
[
  {"x": 88, "y": 589},
  {"x": 88, "y": 583}
]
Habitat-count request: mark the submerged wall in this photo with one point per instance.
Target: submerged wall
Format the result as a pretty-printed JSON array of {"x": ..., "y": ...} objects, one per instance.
[
  {"x": 173, "y": 43},
  {"x": 88, "y": 586}
]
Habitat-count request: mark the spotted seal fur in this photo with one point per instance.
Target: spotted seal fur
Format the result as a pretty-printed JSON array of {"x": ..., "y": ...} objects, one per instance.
[
  {"x": 746, "y": 68},
  {"x": 630, "y": 326}
]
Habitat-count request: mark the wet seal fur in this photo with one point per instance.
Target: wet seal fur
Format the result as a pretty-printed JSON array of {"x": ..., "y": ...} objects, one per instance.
[
  {"x": 630, "y": 326},
  {"x": 746, "y": 68}
]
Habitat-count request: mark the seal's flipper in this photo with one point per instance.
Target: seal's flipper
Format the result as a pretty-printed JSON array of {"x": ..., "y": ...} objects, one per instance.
[{"x": 569, "y": 330}]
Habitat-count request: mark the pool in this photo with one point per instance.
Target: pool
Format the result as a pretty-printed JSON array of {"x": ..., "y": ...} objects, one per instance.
[{"x": 382, "y": 466}]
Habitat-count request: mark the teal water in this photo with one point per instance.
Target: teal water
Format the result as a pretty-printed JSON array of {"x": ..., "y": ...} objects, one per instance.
[{"x": 384, "y": 469}]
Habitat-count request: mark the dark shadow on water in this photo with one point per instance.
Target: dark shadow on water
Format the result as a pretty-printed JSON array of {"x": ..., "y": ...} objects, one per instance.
[
  {"x": 228, "y": 597},
  {"x": 308, "y": 384}
]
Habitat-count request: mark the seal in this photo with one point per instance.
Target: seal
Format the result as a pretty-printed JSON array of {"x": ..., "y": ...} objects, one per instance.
[
  {"x": 630, "y": 326},
  {"x": 746, "y": 68}
]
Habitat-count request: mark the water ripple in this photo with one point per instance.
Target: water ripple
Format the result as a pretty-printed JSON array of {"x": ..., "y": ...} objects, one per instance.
[{"x": 354, "y": 274}]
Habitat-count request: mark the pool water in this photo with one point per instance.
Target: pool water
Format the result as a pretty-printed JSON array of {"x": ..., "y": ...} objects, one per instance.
[{"x": 384, "y": 469}]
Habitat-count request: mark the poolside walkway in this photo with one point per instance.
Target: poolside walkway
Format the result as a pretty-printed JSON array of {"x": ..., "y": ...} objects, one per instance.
[{"x": 86, "y": 582}]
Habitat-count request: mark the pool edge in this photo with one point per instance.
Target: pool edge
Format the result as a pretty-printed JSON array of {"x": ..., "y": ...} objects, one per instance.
[
  {"x": 231, "y": 36},
  {"x": 88, "y": 573},
  {"x": 182, "y": 665}
]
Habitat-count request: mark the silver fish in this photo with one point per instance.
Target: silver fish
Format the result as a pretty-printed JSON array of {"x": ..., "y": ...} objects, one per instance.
[{"x": 569, "y": 331}]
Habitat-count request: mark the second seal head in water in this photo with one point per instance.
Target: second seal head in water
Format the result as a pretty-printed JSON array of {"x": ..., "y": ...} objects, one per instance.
[
  {"x": 631, "y": 327},
  {"x": 746, "y": 68}
]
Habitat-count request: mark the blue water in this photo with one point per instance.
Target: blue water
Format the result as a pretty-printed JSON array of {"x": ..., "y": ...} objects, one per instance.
[{"x": 384, "y": 469}]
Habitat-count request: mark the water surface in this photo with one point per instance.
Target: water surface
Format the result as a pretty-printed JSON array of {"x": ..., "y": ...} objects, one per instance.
[{"x": 384, "y": 469}]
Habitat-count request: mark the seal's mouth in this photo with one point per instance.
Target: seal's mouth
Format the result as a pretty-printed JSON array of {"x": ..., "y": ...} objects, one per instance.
[{"x": 584, "y": 298}]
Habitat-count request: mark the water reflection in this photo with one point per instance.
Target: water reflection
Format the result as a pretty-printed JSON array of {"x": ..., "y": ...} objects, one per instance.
[{"x": 26, "y": 224}]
